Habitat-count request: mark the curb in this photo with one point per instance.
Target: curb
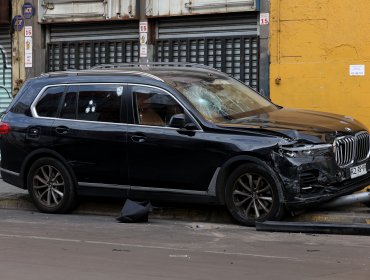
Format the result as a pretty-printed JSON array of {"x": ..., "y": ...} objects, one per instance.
[{"x": 356, "y": 214}]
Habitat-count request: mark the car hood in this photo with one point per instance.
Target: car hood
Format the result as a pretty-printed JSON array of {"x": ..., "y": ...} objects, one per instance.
[{"x": 311, "y": 126}]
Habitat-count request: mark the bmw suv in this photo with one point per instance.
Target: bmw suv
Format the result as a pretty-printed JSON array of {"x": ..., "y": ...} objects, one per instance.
[{"x": 183, "y": 133}]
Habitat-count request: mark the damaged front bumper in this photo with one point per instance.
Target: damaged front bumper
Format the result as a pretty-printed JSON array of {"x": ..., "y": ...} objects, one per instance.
[
  {"x": 313, "y": 179},
  {"x": 328, "y": 192}
]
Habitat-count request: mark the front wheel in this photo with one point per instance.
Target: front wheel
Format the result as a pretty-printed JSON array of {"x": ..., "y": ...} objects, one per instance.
[
  {"x": 251, "y": 195},
  {"x": 51, "y": 186}
]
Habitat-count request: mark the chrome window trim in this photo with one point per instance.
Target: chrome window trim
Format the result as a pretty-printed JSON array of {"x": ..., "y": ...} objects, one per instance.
[
  {"x": 160, "y": 127},
  {"x": 174, "y": 97},
  {"x": 37, "y": 99}
]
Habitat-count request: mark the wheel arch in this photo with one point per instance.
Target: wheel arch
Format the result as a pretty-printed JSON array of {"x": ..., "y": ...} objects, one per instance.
[
  {"x": 234, "y": 162},
  {"x": 41, "y": 153}
]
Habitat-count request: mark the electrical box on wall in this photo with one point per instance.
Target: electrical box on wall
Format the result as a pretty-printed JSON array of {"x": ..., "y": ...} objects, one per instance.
[
  {"x": 86, "y": 10},
  {"x": 159, "y": 8}
]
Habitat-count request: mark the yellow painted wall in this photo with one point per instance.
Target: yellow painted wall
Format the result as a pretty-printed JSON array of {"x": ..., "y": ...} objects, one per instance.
[{"x": 312, "y": 44}]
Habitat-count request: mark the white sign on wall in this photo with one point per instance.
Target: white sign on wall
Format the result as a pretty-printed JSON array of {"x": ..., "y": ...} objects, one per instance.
[
  {"x": 264, "y": 18},
  {"x": 357, "y": 70},
  {"x": 143, "y": 28},
  {"x": 28, "y": 31},
  {"x": 28, "y": 51}
]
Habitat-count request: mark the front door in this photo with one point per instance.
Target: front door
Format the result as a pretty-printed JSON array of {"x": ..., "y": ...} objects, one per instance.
[{"x": 164, "y": 157}]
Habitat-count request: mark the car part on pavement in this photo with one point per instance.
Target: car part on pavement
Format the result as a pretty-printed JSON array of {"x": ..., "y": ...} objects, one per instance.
[
  {"x": 345, "y": 229},
  {"x": 135, "y": 211},
  {"x": 361, "y": 197}
]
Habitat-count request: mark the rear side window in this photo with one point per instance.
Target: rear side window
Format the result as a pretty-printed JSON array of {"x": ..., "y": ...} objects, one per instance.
[
  {"x": 49, "y": 102},
  {"x": 100, "y": 103}
]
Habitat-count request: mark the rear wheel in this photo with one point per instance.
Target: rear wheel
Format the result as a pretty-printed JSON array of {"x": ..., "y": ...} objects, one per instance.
[
  {"x": 51, "y": 186},
  {"x": 252, "y": 195}
]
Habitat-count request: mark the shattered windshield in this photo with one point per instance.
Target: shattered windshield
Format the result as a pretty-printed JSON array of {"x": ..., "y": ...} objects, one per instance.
[{"x": 221, "y": 99}]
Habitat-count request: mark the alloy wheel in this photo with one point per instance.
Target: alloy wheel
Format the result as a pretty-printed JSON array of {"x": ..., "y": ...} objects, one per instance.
[
  {"x": 253, "y": 196},
  {"x": 48, "y": 185}
]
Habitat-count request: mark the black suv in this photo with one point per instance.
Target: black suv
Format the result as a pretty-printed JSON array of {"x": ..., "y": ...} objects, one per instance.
[{"x": 180, "y": 132}]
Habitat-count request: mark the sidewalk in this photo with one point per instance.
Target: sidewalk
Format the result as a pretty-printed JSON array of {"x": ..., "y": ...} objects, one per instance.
[{"x": 15, "y": 198}]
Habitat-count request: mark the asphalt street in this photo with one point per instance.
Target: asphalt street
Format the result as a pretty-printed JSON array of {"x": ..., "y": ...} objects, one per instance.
[{"x": 40, "y": 246}]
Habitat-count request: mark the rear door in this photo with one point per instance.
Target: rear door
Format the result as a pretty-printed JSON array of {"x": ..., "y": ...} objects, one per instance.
[{"x": 91, "y": 134}]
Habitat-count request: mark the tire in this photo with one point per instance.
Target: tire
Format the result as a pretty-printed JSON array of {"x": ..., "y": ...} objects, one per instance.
[
  {"x": 252, "y": 195},
  {"x": 51, "y": 186}
]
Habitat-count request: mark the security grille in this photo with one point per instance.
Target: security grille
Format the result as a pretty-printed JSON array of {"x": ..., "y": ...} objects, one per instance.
[
  {"x": 83, "y": 55},
  {"x": 82, "y": 46},
  {"x": 5, "y": 68},
  {"x": 229, "y": 44},
  {"x": 237, "y": 56}
]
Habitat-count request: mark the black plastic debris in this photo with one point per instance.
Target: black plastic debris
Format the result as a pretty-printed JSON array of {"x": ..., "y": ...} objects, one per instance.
[
  {"x": 135, "y": 211},
  {"x": 319, "y": 228}
]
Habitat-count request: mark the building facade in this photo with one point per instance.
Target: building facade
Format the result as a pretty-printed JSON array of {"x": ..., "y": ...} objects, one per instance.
[
  {"x": 80, "y": 34},
  {"x": 307, "y": 54},
  {"x": 320, "y": 56}
]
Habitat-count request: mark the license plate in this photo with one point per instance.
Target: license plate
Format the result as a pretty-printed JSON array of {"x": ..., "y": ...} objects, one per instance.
[{"x": 358, "y": 171}]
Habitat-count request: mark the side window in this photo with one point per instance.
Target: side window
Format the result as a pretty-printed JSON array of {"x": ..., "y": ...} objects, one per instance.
[
  {"x": 154, "y": 107},
  {"x": 49, "y": 102},
  {"x": 100, "y": 103},
  {"x": 69, "y": 107}
]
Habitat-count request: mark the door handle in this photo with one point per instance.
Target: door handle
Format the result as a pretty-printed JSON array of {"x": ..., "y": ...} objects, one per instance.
[
  {"x": 138, "y": 138},
  {"x": 62, "y": 130}
]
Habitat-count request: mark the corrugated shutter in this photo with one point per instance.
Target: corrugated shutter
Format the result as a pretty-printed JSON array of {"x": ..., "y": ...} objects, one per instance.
[
  {"x": 228, "y": 43},
  {"x": 81, "y": 46},
  {"x": 5, "y": 68}
]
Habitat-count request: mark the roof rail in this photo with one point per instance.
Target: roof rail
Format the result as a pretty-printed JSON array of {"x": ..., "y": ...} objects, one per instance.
[
  {"x": 147, "y": 65},
  {"x": 74, "y": 72}
]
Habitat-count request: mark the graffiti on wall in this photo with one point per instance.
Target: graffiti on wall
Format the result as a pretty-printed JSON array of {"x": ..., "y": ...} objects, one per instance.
[{"x": 5, "y": 68}]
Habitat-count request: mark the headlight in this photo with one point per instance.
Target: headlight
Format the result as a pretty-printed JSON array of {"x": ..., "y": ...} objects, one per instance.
[{"x": 303, "y": 150}]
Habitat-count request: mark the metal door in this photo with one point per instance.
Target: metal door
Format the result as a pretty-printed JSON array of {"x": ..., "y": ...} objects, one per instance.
[
  {"x": 5, "y": 68},
  {"x": 82, "y": 46},
  {"x": 229, "y": 44}
]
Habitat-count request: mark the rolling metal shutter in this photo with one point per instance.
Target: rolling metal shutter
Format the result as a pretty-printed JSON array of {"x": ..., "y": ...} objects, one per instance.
[
  {"x": 81, "y": 46},
  {"x": 228, "y": 43},
  {"x": 5, "y": 68}
]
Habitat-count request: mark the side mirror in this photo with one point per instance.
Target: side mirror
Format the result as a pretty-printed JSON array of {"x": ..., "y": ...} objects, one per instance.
[
  {"x": 190, "y": 126},
  {"x": 177, "y": 121}
]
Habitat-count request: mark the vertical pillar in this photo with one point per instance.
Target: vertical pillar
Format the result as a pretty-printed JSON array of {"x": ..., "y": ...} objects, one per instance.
[
  {"x": 39, "y": 46},
  {"x": 145, "y": 37},
  {"x": 18, "y": 75},
  {"x": 264, "y": 66}
]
